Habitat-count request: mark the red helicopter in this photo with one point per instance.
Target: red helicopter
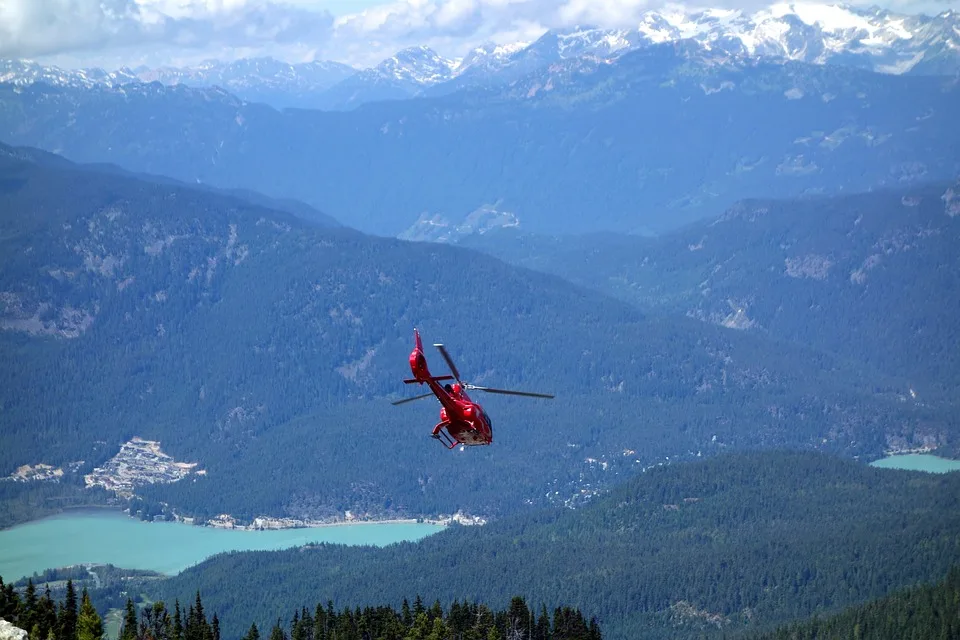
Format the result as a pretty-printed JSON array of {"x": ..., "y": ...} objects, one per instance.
[{"x": 462, "y": 421}]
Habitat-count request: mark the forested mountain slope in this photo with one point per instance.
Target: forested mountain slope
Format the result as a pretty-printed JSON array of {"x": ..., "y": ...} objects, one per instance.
[
  {"x": 736, "y": 542},
  {"x": 873, "y": 277},
  {"x": 659, "y": 137},
  {"x": 928, "y": 612},
  {"x": 265, "y": 349}
]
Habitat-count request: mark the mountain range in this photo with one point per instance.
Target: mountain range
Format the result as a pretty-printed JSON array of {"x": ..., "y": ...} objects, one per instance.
[
  {"x": 725, "y": 242},
  {"x": 866, "y": 38},
  {"x": 874, "y": 277},
  {"x": 661, "y": 137},
  {"x": 254, "y": 342}
]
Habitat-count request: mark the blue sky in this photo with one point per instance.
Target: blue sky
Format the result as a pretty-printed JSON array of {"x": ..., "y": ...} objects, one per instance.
[{"x": 114, "y": 33}]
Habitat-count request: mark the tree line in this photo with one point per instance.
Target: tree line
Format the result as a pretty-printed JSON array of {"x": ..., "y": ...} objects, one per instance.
[{"x": 44, "y": 618}]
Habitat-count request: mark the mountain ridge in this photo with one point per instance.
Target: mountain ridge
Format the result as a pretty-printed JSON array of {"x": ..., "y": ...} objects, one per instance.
[
  {"x": 866, "y": 38},
  {"x": 738, "y": 128},
  {"x": 249, "y": 340},
  {"x": 867, "y": 276}
]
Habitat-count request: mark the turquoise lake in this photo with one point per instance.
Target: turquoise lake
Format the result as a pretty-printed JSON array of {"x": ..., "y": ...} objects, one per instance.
[
  {"x": 918, "y": 462},
  {"x": 111, "y": 537}
]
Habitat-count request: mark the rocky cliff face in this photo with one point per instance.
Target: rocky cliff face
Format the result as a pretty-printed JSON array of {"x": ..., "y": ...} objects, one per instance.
[{"x": 8, "y": 631}]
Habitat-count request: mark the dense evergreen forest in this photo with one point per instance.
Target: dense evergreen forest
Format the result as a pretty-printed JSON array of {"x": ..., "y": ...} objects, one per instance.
[
  {"x": 926, "y": 612},
  {"x": 266, "y": 348},
  {"x": 872, "y": 277},
  {"x": 43, "y": 618},
  {"x": 47, "y": 619},
  {"x": 738, "y": 541},
  {"x": 21, "y": 501}
]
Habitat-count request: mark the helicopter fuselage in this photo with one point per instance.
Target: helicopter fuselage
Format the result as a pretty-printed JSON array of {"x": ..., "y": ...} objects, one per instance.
[{"x": 464, "y": 420}]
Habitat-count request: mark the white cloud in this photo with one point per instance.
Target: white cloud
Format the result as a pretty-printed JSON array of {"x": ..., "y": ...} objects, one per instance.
[
  {"x": 617, "y": 13},
  {"x": 155, "y": 31},
  {"x": 30, "y": 28},
  {"x": 450, "y": 26}
]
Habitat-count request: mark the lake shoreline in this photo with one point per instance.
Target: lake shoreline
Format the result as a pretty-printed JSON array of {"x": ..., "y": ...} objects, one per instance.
[
  {"x": 315, "y": 524},
  {"x": 916, "y": 461},
  {"x": 261, "y": 523},
  {"x": 269, "y": 523},
  {"x": 86, "y": 536}
]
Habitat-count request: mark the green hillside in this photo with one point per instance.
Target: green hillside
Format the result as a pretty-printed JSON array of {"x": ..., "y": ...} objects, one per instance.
[
  {"x": 264, "y": 347},
  {"x": 871, "y": 277},
  {"x": 927, "y": 612},
  {"x": 733, "y": 543}
]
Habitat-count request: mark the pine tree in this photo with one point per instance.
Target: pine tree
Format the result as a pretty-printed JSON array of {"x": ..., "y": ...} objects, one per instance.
[
  {"x": 177, "y": 621},
  {"x": 46, "y": 614},
  {"x": 67, "y": 624},
  {"x": 518, "y": 621},
  {"x": 406, "y": 615},
  {"x": 542, "y": 629},
  {"x": 277, "y": 632},
  {"x": 129, "y": 629},
  {"x": 200, "y": 619},
  {"x": 89, "y": 624},
  {"x": 458, "y": 620},
  {"x": 9, "y": 601},
  {"x": 306, "y": 621},
  {"x": 253, "y": 633},
  {"x": 319, "y": 623},
  {"x": 189, "y": 627},
  {"x": 27, "y": 614},
  {"x": 439, "y": 630},
  {"x": 420, "y": 628}
]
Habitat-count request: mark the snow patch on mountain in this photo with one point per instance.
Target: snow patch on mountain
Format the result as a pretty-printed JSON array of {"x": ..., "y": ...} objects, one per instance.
[
  {"x": 420, "y": 65},
  {"x": 437, "y": 228},
  {"x": 872, "y": 38}
]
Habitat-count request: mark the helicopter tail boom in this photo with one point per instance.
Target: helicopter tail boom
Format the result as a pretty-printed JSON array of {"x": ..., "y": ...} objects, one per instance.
[
  {"x": 434, "y": 378},
  {"x": 418, "y": 362}
]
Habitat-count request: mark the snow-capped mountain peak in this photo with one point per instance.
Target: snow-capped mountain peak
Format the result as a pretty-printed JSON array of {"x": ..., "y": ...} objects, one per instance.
[
  {"x": 810, "y": 32},
  {"x": 591, "y": 40},
  {"x": 489, "y": 56},
  {"x": 420, "y": 65},
  {"x": 874, "y": 38}
]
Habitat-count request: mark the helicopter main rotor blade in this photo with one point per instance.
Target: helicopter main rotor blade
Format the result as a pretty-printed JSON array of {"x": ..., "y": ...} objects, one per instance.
[
  {"x": 420, "y": 397},
  {"x": 446, "y": 356},
  {"x": 510, "y": 393}
]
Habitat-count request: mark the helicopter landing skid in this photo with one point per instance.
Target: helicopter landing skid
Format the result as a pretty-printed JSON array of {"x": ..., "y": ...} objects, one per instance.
[{"x": 445, "y": 438}]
